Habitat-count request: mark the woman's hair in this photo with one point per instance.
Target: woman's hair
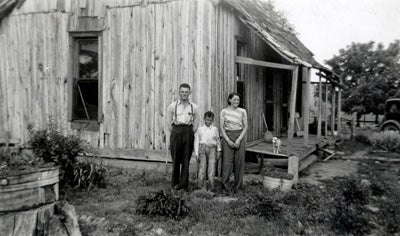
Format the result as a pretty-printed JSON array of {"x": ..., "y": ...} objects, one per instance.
[{"x": 231, "y": 95}]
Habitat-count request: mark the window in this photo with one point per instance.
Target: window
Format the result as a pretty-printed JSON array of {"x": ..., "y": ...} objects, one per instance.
[{"x": 85, "y": 102}]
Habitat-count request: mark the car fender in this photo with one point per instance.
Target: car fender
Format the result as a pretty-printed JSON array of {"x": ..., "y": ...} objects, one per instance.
[{"x": 393, "y": 122}]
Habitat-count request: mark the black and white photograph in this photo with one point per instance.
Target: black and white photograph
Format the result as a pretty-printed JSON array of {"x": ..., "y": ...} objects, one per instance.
[{"x": 199, "y": 117}]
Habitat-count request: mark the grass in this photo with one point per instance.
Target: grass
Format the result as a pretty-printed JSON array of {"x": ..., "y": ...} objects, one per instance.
[{"x": 336, "y": 206}]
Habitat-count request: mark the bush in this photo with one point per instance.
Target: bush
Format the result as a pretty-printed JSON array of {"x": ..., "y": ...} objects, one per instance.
[
  {"x": 350, "y": 214},
  {"x": 161, "y": 203},
  {"x": 259, "y": 204},
  {"x": 51, "y": 146},
  {"x": 350, "y": 218},
  {"x": 387, "y": 140},
  {"x": 352, "y": 193},
  {"x": 362, "y": 138}
]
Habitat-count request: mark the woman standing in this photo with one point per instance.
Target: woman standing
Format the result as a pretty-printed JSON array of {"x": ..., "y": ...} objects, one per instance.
[{"x": 233, "y": 128}]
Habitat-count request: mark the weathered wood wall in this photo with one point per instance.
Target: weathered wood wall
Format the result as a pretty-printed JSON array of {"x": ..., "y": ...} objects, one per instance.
[
  {"x": 148, "y": 50},
  {"x": 33, "y": 72}
]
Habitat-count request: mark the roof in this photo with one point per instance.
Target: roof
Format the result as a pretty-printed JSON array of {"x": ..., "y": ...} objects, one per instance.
[
  {"x": 6, "y": 6},
  {"x": 272, "y": 28}
]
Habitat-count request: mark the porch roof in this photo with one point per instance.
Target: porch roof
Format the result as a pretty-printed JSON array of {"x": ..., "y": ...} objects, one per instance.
[{"x": 274, "y": 30}]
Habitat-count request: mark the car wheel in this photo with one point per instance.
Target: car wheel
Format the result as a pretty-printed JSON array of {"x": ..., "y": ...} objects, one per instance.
[{"x": 390, "y": 127}]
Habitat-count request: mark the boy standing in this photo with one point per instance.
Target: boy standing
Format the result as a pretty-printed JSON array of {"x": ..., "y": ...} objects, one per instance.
[{"x": 207, "y": 148}]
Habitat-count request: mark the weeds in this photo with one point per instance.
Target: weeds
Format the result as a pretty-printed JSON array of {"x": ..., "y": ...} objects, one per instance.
[
  {"x": 350, "y": 218},
  {"x": 387, "y": 141},
  {"x": 352, "y": 192},
  {"x": 337, "y": 206},
  {"x": 87, "y": 174},
  {"x": 362, "y": 138},
  {"x": 162, "y": 203}
]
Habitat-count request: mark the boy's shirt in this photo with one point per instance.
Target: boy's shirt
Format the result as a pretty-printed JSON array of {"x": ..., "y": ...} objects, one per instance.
[{"x": 208, "y": 135}]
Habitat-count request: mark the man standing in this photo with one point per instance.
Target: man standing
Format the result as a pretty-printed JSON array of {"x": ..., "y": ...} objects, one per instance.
[{"x": 183, "y": 121}]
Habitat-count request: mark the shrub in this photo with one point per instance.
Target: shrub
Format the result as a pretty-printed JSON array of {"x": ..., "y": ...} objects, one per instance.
[
  {"x": 387, "y": 140},
  {"x": 362, "y": 138},
  {"x": 352, "y": 193},
  {"x": 51, "y": 146},
  {"x": 350, "y": 218},
  {"x": 161, "y": 203},
  {"x": 268, "y": 208},
  {"x": 259, "y": 204}
]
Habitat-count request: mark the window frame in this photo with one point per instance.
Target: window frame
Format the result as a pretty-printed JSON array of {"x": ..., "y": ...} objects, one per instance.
[{"x": 75, "y": 37}]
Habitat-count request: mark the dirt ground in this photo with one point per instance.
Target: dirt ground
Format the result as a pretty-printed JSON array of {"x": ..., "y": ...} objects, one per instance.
[
  {"x": 328, "y": 170},
  {"x": 310, "y": 208}
]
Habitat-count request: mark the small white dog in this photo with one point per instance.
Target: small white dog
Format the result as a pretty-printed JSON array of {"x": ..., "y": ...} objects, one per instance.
[{"x": 276, "y": 144}]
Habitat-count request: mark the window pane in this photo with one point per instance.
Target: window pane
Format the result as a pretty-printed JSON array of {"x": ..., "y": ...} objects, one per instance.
[
  {"x": 88, "y": 59},
  {"x": 88, "y": 98}
]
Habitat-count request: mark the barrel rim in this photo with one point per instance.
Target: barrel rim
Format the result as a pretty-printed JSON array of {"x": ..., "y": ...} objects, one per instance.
[{"x": 40, "y": 169}]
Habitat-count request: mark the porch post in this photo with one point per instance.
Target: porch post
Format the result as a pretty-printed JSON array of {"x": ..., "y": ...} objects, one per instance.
[
  {"x": 306, "y": 102},
  {"x": 292, "y": 108},
  {"x": 333, "y": 110},
  {"x": 319, "y": 108},
  {"x": 339, "y": 115},
  {"x": 326, "y": 108}
]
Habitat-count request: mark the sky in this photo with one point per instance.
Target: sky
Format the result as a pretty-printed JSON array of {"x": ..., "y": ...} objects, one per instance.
[{"x": 325, "y": 26}]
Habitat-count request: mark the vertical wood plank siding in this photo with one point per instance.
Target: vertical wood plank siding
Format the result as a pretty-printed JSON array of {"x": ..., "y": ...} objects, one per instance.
[
  {"x": 147, "y": 52},
  {"x": 33, "y": 73}
]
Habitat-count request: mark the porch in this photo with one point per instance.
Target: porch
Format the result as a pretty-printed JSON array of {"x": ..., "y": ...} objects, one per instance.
[{"x": 298, "y": 148}]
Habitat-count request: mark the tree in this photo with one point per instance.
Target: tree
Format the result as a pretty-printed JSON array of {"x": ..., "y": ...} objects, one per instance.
[{"x": 370, "y": 75}]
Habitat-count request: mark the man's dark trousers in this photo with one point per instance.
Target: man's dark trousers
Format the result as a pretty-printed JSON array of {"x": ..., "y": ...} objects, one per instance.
[{"x": 182, "y": 142}]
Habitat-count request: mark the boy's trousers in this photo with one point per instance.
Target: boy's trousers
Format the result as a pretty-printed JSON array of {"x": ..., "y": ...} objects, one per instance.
[{"x": 207, "y": 156}]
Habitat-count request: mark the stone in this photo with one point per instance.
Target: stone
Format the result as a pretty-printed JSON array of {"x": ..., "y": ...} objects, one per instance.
[
  {"x": 56, "y": 227},
  {"x": 159, "y": 231},
  {"x": 101, "y": 220},
  {"x": 89, "y": 219},
  {"x": 372, "y": 208},
  {"x": 3, "y": 182},
  {"x": 233, "y": 233},
  {"x": 225, "y": 199},
  {"x": 365, "y": 183},
  {"x": 299, "y": 228}
]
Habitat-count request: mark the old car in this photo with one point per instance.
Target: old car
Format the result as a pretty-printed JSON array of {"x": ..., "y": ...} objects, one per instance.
[{"x": 391, "y": 121}]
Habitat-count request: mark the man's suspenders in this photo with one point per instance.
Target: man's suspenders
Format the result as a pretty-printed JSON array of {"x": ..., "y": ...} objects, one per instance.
[{"x": 176, "y": 109}]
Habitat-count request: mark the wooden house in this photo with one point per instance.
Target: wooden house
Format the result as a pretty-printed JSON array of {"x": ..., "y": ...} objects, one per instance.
[{"x": 107, "y": 69}]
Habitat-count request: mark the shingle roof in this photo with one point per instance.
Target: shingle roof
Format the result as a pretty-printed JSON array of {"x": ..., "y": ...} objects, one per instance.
[
  {"x": 6, "y": 6},
  {"x": 265, "y": 21}
]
